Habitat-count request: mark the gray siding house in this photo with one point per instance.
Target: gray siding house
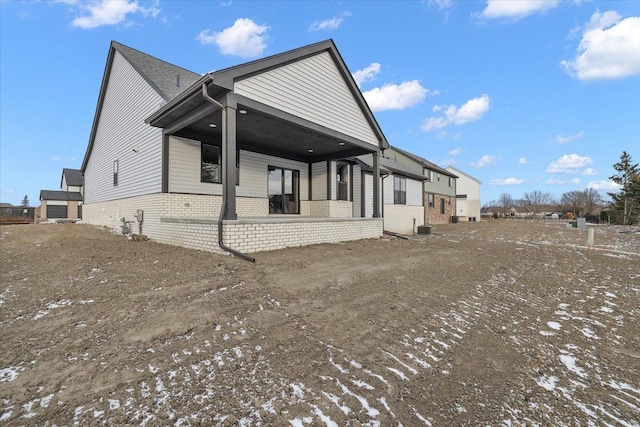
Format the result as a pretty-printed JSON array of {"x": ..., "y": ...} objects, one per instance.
[
  {"x": 439, "y": 187},
  {"x": 255, "y": 157}
]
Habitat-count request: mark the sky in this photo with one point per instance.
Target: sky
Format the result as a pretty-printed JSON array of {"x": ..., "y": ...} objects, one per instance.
[{"x": 523, "y": 95}]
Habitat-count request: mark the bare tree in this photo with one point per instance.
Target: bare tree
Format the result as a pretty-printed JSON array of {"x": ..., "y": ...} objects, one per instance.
[
  {"x": 592, "y": 199},
  {"x": 505, "y": 201},
  {"x": 573, "y": 201},
  {"x": 538, "y": 199}
]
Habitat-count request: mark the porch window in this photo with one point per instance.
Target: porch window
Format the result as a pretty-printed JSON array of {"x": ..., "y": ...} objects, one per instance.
[
  {"x": 210, "y": 171},
  {"x": 430, "y": 199},
  {"x": 343, "y": 181},
  {"x": 399, "y": 190},
  {"x": 115, "y": 173},
  {"x": 284, "y": 191}
]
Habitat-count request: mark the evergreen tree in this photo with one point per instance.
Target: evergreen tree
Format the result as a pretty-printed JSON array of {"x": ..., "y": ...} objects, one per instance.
[
  {"x": 626, "y": 202},
  {"x": 25, "y": 201}
]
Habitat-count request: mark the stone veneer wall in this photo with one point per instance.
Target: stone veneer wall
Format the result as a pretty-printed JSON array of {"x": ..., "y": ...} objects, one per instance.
[
  {"x": 432, "y": 215},
  {"x": 191, "y": 221}
]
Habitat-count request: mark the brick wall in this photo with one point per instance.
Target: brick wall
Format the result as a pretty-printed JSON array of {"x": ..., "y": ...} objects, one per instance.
[{"x": 191, "y": 221}]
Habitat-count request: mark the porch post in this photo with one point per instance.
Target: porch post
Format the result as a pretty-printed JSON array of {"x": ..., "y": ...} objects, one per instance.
[
  {"x": 376, "y": 184},
  {"x": 165, "y": 163},
  {"x": 229, "y": 154}
]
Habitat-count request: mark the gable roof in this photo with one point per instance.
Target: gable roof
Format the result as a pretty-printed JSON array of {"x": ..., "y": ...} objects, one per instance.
[
  {"x": 459, "y": 172},
  {"x": 425, "y": 163},
  {"x": 60, "y": 195},
  {"x": 223, "y": 81},
  {"x": 391, "y": 165},
  {"x": 166, "y": 79},
  {"x": 73, "y": 177}
]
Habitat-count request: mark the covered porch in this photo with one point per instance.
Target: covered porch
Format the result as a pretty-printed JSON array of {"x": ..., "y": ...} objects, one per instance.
[{"x": 274, "y": 153}]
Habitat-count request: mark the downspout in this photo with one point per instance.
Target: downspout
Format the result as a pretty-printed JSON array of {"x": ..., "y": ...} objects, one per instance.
[{"x": 223, "y": 207}]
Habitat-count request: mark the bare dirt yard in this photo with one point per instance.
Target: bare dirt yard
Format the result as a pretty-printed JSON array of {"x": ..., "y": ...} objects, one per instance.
[{"x": 502, "y": 323}]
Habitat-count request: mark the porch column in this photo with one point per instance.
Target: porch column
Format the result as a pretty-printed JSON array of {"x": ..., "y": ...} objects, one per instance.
[
  {"x": 229, "y": 154},
  {"x": 376, "y": 184}
]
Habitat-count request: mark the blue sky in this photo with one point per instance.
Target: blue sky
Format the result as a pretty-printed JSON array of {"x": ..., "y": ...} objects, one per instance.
[{"x": 523, "y": 95}]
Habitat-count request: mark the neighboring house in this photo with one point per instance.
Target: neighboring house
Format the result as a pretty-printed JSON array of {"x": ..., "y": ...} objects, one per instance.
[
  {"x": 64, "y": 204},
  {"x": 467, "y": 196},
  {"x": 254, "y": 157},
  {"x": 510, "y": 212},
  {"x": 72, "y": 181},
  {"x": 402, "y": 195},
  {"x": 439, "y": 188}
]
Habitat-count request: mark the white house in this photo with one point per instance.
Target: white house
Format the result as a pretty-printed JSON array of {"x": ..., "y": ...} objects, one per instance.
[
  {"x": 254, "y": 157},
  {"x": 467, "y": 196}
]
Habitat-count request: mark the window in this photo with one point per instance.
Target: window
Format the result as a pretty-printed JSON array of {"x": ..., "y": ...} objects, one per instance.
[
  {"x": 342, "y": 177},
  {"x": 430, "y": 199},
  {"x": 284, "y": 190},
  {"x": 115, "y": 173},
  {"x": 210, "y": 171},
  {"x": 438, "y": 177},
  {"x": 399, "y": 190},
  {"x": 451, "y": 180},
  {"x": 442, "y": 206},
  {"x": 430, "y": 176}
]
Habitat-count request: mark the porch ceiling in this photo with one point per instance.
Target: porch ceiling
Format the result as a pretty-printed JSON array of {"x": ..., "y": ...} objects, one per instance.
[{"x": 264, "y": 133}]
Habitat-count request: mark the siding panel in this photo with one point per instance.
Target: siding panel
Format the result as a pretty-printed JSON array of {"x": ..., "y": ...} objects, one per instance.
[
  {"x": 128, "y": 100},
  {"x": 314, "y": 90},
  {"x": 357, "y": 191},
  {"x": 319, "y": 180}
]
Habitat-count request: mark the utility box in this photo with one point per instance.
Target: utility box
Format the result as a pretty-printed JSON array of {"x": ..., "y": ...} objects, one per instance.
[
  {"x": 424, "y": 229},
  {"x": 582, "y": 223}
]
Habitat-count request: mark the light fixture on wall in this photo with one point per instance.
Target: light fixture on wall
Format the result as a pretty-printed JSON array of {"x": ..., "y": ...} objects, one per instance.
[
  {"x": 136, "y": 149},
  {"x": 310, "y": 150},
  {"x": 242, "y": 111},
  {"x": 341, "y": 144},
  {"x": 213, "y": 125}
]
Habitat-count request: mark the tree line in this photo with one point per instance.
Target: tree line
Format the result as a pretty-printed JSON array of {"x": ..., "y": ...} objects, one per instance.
[{"x": 623, "y": 208}]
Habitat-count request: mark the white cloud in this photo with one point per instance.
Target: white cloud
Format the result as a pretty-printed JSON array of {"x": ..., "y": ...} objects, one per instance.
[
  {"x": 484, "y": 161},
  {"x": 589, "y": 172},
  {"x": 330, "y": 24},
  {"x": 244, "y": 38},
  {"x": 456, "y": 151},
  {"x": 471, "y": 111},
  {"x": 562, "y": 139},
  {"x": 552, "y": 181},
  {"x": 367, "y": 73},
  {"x": 507, "y": 181},
  {"x": 396, "y": 97},
  {"x": 442, "y": 4},
  {"x": 609, "y": 49},
  {"x": 106, "y": 12},
  {"x": 60, "y": 159},
  {"x": 516, "y": 10},
  {"x": 568, "y": 164},
  {"x": 523, "y": 161},
  {"x": 8, "y": 191},
  {"x": 603, "y": 185}
]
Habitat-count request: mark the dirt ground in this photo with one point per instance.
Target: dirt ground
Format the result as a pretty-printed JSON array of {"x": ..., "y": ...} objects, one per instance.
[{"x": 498, "y": 323}]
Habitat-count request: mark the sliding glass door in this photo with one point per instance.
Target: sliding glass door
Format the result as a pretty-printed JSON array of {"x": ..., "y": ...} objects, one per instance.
[{"x": 284, "y": 191}]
